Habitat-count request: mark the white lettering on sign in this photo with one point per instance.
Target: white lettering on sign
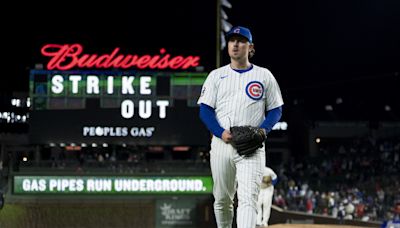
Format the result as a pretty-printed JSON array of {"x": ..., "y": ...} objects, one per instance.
[
  {"x": 75, "y": 79},
  {"x": 127, "y": 109},
  {"x": 158, "y": 185},
  {"x": 88, "y": 185},
  {"x": 127, "y": 85},
  {"x": 93, "y": 85},
  {"x": 98, "y": 185},
  {"x": 61, "y": 185},
  {"x": 163, "y": 108},
  {"x": 142, "y": 132},
  {"x": 97, "y": 131},
  {"x": 34, "y": 185},
  {"x": 145, "y": 109},
  {"x": 110, "y": 85},
  {"x": 57, "y": 86},
  {"x": 145, "y": 85}
]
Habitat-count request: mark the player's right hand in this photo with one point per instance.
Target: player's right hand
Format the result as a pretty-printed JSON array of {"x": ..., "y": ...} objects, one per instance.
[{"x": 226, "y": 136}]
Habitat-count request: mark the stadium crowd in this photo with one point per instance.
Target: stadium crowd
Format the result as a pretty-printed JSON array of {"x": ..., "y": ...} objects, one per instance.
[
  {"x": 352, "y": 179},
  {"x": 349, "y": 178}
]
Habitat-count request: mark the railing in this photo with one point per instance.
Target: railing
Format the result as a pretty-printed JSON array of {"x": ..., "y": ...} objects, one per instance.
[{"x": 122, "y": 167}]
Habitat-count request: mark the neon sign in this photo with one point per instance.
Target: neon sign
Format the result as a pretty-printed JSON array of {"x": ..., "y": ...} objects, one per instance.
[
  {"x": 92, "y": 82},
  {"x": 69, "y": 56}
]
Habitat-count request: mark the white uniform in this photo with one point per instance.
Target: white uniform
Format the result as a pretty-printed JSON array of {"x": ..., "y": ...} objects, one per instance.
[
  {"x": 265, "y": 198},
  {"x": 238, "y": 99}
]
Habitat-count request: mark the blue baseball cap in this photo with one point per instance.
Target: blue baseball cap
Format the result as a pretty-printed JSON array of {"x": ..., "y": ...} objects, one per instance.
[{"x": 241, "y": 31}]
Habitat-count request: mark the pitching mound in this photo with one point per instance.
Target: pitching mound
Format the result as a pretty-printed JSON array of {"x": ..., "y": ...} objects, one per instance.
[{"x": 310, "y": 226}]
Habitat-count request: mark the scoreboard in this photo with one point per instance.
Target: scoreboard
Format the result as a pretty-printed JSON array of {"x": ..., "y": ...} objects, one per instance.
[{"x": 130, "y": 107}]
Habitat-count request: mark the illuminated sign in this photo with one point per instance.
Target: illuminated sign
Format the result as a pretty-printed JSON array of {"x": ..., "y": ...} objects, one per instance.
[
  {"x": 92, "y": 83},
  {"x": 69, "y": 56},
  {"x": 152, "y": 108},
  {"x": 118, "y": 131},
  {"x": 87, "y": 185}
]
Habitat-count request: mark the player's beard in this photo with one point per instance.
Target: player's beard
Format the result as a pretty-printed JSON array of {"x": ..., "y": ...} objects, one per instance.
[{"x": 239, "y": 58}]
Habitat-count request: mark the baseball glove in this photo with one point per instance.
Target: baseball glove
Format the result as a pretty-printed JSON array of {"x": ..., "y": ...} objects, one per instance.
[{"x": 247, "y": 139}]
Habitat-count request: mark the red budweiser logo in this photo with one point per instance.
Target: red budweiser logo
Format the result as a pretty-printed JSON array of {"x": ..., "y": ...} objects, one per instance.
[{"x": 68, "y": 56}]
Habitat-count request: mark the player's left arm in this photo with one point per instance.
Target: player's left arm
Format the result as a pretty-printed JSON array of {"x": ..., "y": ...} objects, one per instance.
[
  {"x": 273, "y": 103},
  {"x": 271, "y": 118},
  {"x": 274, "y": 181},
  {"x": 274, "y": 178}
]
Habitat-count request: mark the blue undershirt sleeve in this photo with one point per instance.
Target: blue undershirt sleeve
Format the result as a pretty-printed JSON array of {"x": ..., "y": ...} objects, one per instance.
[
  {"x": 207, "y": 115},
  {"x": 271, "y": 118},
  {"x": 274, "y": 181}
]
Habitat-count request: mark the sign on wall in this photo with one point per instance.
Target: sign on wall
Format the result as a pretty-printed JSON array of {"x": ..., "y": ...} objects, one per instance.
[
  {"x": 115, "y": 97},
  {"x": 151, "y": 108},
  {"x": 93, "y": 185},
  {"x": 176, "y": 213}
]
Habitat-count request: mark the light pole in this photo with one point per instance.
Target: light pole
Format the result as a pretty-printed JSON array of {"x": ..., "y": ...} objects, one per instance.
[{"x": 222, "y": 26}]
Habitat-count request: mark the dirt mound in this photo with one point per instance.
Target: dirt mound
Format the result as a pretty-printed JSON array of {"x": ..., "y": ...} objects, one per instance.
[{"x": 310, "y": 226}]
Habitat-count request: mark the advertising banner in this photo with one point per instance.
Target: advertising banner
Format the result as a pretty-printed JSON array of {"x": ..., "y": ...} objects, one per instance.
[
  {"x": 94, "y": 185},
  {"x": 176, "y": 213}
]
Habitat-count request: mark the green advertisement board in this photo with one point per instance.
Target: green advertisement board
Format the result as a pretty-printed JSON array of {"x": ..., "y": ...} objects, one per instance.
[{"x": 111, "y": 185}]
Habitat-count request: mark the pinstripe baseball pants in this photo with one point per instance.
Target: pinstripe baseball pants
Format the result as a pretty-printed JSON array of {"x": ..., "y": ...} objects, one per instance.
[{"x": 232, "y": 172}]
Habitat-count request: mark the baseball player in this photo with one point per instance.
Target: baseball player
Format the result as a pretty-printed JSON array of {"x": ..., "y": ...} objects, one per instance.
[
  {"x": 265, "y": 196},
  {"x": 238, "y": 94}
]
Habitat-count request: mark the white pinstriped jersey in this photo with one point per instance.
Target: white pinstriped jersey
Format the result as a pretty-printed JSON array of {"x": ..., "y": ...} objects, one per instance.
[
  {"x": 269, "y": 172},
  {"x": 241, "y": 98}
]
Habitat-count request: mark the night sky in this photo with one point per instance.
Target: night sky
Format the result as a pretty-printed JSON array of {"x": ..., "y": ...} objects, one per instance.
[{"x": 310, "y": 46}]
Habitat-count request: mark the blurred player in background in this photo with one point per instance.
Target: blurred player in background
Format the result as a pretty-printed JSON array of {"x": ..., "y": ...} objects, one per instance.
[{"x": 264, "y": 202}]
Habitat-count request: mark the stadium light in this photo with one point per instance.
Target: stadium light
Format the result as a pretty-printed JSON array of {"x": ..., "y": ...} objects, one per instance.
[
  {"x": 328, "y": 108},
  {"x": 223, "y": 26},
  {"x": 181, "y": 148},
  {"x": 28, "y": 102},
  {"x": 226, "y": 4}
]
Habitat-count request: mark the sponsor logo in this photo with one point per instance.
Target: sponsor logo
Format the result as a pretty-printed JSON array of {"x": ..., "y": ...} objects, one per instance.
[{"x": 175, "y": 215}]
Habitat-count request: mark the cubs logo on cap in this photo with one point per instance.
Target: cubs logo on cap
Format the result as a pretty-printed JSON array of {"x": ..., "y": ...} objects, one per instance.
[
  {"x": 241, "y": 31},
  {"x": 255, "y": 90}
]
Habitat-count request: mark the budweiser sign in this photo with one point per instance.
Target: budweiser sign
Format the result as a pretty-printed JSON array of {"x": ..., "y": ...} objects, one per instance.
[{"x": 69, "y": 56}]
